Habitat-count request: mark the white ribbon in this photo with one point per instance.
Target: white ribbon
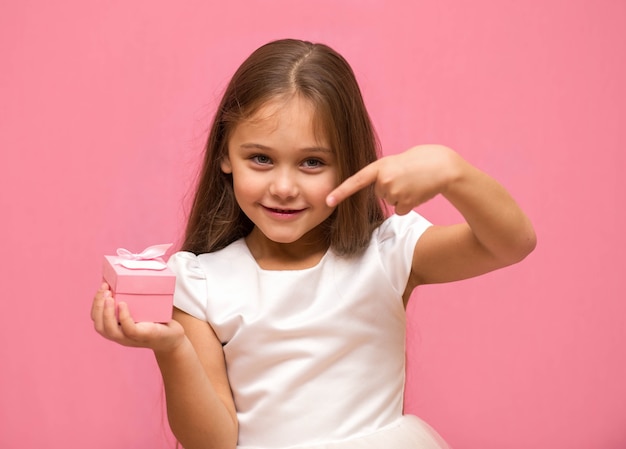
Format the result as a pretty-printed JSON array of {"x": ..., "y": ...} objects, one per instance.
[{"x": 148, "y": 259}]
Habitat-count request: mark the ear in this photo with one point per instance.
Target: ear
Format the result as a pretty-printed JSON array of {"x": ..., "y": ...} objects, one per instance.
[{"x": 225, "y": 165}]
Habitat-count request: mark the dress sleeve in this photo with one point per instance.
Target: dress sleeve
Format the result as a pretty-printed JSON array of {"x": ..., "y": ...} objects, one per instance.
[
  {"x": 396, "y": 239},
  {"x": 190, "y": 294}
]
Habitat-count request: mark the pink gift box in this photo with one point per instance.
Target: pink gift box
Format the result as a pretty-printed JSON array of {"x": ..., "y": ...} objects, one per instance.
[{"x": 148, "y": 292}]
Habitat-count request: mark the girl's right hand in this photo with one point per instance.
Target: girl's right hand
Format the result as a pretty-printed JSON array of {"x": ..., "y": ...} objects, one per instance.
[{"x": 156, "y": 336}]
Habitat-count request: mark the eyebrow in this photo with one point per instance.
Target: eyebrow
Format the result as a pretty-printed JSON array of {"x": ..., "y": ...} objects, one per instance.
[{"x": 258, "y": 146}]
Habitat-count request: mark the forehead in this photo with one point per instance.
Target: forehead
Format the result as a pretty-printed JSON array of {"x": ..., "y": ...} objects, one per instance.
[{"x": 292, "y": 112}]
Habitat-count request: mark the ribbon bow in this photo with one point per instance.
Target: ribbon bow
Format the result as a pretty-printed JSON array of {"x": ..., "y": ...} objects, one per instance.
[{"x": 148, "y": 259}]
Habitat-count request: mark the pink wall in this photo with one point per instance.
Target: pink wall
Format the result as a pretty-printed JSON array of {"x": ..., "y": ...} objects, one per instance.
[{"x": 103, "y": 109}]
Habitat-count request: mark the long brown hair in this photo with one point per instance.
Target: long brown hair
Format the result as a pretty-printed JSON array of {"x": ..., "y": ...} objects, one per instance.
[{"x": 278, "y": 69}]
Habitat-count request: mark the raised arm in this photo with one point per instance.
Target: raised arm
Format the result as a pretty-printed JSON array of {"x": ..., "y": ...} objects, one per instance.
[
  {"x": 200, "y": 407},
  {"x": 496, "y": 231}
]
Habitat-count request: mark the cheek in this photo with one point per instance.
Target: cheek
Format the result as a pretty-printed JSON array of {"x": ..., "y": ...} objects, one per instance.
[
  {"x": 242, "y": 190},
  {"x": 320, "y": 188},
  {"x": 329, "y": 183},
  {"x": 251, "y": 187}
]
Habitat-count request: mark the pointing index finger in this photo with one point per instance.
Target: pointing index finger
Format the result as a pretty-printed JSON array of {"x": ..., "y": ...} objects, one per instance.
[{"x": 361, "y": 179}]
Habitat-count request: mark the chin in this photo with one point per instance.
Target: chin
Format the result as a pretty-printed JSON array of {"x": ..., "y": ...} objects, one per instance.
[
  {"x": 285, "y": 240},
  {"x": 290, "y": 236}
]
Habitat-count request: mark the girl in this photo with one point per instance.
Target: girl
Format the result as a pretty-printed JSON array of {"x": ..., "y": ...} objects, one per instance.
[{"x": 288, "y": 326}]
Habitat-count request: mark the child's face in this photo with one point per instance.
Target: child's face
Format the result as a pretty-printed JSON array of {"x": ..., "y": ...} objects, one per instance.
[{"x": 282, "y": 171}]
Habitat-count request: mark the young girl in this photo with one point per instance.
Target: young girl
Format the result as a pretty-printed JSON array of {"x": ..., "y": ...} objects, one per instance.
[{"x": 289, "y": 323}]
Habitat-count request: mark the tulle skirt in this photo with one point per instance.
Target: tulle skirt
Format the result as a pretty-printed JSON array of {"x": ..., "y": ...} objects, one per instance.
[{"x": 408, "y": 432}]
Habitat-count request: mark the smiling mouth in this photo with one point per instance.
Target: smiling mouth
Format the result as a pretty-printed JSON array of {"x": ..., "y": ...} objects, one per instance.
[{"x": 283, "y": 211}]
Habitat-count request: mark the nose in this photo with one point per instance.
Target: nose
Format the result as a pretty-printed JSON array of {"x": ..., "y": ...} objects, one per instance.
[{"x": 284, "y": 184}]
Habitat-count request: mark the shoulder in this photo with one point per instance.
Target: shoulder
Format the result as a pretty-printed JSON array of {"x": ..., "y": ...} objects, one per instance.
[
  {"x": 401, "y": 228},
  {"x": 393, "y": 245},
  {"x": 199, "y": 277},
  {"x": 184, "y": 263},
  {"x": 187, "y": 263}
]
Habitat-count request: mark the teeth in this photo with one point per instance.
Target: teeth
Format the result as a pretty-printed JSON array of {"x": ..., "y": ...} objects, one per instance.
[{"x": 283, "y": 211}]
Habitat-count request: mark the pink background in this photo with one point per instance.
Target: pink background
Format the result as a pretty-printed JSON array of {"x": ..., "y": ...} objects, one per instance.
[{"x": 104, "y": 106}]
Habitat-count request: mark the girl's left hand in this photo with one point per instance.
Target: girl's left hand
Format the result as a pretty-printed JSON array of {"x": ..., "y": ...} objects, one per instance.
[
  {"x": 405, "y": 180},
  {"x": 496, "y": 232}
]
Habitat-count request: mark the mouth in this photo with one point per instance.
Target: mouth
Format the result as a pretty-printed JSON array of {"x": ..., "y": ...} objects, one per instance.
[{"x": 282, "y": 211}]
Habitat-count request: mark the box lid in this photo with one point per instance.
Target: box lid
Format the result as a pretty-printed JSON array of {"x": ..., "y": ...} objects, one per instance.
[{"x": 124, "y": 280}]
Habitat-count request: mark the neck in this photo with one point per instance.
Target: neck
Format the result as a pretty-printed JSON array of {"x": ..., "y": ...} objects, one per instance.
[{"x": 270, "y": 255}]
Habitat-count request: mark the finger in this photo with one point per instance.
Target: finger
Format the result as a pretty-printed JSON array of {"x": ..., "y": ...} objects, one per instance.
[
  {"x": 98, "y": 302},
  {"x": 402, "y": 209},
  {"x": 97, "y": 310},
  {"x": 127, "y": 324},
  {"x": 97, "y": 315},
  {"x": 111, "y": 328},
  {"x": 353, "y": 184}
]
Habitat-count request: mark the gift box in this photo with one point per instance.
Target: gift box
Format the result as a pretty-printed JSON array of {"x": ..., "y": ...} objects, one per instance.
[{"x": 143, "y": 281}]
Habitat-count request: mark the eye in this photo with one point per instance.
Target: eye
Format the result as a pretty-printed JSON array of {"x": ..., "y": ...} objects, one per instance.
[
  {"x": 261, "y": 159},
  {"x": 313, "y": 163}
]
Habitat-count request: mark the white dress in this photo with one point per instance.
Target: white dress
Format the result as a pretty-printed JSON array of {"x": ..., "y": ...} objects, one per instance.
[{"x": 315, "y": 357}]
